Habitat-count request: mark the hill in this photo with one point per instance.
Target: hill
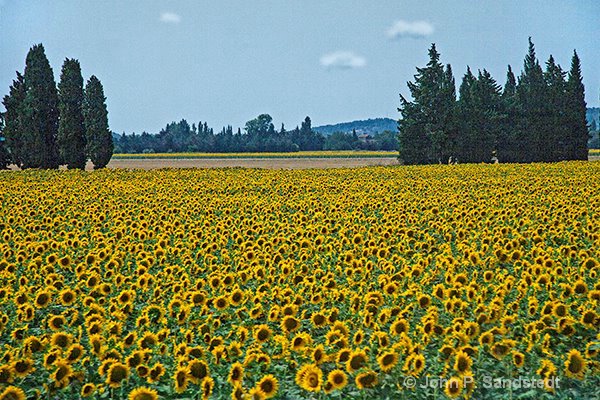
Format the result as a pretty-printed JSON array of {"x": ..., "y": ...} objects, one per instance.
[{"x": 369, "y": 126}]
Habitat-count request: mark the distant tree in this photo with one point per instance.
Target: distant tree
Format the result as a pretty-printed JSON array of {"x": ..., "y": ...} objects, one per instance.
[
  {"x": 99, "y": 144},
  {"x": 39, "y": 113},
  {"x": 575, "y": 112},
  {"x": 508, "y": 147},
  {"x": 467, "y": 139},
  {"x": 557, "y": 134},
  {"x": 531, "y": 92},
  {"x": 71, "y": 131},
  {"x": 426, "y": 127},
  {"x": 13, "y": 121},
  {"x": 386, "y": 140}
]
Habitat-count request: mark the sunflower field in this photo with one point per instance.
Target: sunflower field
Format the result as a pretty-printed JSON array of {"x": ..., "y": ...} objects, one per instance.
[{"x": 304, "y": 284}]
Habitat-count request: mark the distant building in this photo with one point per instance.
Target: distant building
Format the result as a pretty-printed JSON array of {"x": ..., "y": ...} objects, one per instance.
[{"x": 366, "y": 138}]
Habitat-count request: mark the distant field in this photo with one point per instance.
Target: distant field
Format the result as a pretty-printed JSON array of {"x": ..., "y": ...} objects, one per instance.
[
  {"x": 300, "y": 154},
  {"x": 264, "y": 162}
]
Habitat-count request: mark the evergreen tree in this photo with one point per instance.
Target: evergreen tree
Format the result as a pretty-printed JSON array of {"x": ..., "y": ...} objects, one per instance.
[
  {"x": 507, "y": 149},
  {"x": 13, "y": 120},
  {"x": 71, "y": 131},
  {"x": 40, "y": 112},
  {"x": 575, "y": 119},
  {"x": 99, "y": 144},
  {"x": 557, "y": 133},
  {"x": 466, "y": 117},
  {"x": 489, "y": 114},
  {"x": 425, "y": 133},
  {"x": 532, "y": 97}
]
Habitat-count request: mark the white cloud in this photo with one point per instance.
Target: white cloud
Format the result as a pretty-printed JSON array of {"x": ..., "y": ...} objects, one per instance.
[
  {"x": 170, "y": 18},
  {"x": 414, "y": 29},
  {"x": 343, "y": 60}
]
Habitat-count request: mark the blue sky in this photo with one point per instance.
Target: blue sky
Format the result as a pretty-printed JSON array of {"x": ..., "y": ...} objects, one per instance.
[{"x": 227, "y": 61}]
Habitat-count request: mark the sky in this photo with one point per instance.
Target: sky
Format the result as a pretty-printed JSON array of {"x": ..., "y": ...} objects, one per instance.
[{"x": 225, "y": 62}]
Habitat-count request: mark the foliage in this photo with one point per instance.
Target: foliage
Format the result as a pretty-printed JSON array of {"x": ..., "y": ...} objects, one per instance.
[
  {"x": 540, "y": 118},
  {"x": 98, "y": 138},
  {"x": 71, "y": 131},
  {"x": 38, "y": 113}
]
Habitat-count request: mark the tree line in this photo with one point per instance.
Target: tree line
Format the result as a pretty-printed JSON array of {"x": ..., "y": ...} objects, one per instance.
[
  {"x": 45, "y": 126},
  {"x": 539, "y": 117},
  {"x": 259, "y": 135}
]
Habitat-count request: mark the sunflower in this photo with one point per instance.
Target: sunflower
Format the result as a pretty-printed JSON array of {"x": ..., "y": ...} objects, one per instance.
[
  {"x": 117, "y": 373},
  {"x": 62, "y": 373},
  {"x": 22, "y": 367},
  {"x": 366, "y": 380},
  {"x": 318, "y": 320},
  {"x": 198, "y": 370},
  {"x": 262, "y": 333},
  {"x": 575, "y": 365},
  {"x": 88, "y": 389},
  {"x": 414, "y": 364},
  {"x": 518, "y": 359},
  {"x": 143, "y": 393},
  {"x": 337, "y": 378},
  {"x": 589, "y": 318},
  {"x": 290, "y": 324},
  {"x": 454, "y": 387},
  {"x": 387, "y": 360},
  {"x": 268, "y": 386},
  {"x": 142, "y": 370},
  {"x": 42, "y": 299},
  {"x": 462, "y": 363},
  {"x": 32, "y": 345},
  {"x": 67, "y": 297},
  {"x": 221, "y": 303},
  {"x": 180, "y": 378},
  {"x": 254, "y": 394},
  {"x": 238, "y": 392},
  {"x": 56, "y": 322},
  {"x": 547, "y": 369},
  {"x": 6, "y": 375},
  {"x": 156, "y": 372},
  {"x": 236, "y": 374},
  {"x": 310, "y": 377},
  {"x": 356, "y": 361},
  {"x": 74, "y": 353},
  {"x": 208, "y": 385},
  {"x": 318, "y": 354},
  {"x": 13, "y": 393},
  {"x": 500, "y": 350},
  {"x": 399, "y": 327}
]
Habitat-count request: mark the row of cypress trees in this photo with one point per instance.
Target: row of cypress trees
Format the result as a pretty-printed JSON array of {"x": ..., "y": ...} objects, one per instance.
[
  {"x": 539, "y": 117},
  {"x": 44, "y": 127}
]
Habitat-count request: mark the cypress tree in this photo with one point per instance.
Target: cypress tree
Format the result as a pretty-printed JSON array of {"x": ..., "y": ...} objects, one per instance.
[
  {"x": 531, "y": 95},
  {"x": 466, "y": 106},
  {"x": 575, "y": 110},
  {"x": 509, "y": 140},
  {"x": 99, "y": 144},
  {"x": 557, "y": 133},
  {"x": 71, "y": 131},
  {"x": 424, "y": 129},
  {"x": 13, "y": 120},
  {"x": 488, "y": 116},
  {"x": 447, "y": 110},
  {"x": 40, "y": 112}
]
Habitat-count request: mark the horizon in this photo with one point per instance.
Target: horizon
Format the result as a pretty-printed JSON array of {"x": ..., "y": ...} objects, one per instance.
[{"x": 183, "y": 60}]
